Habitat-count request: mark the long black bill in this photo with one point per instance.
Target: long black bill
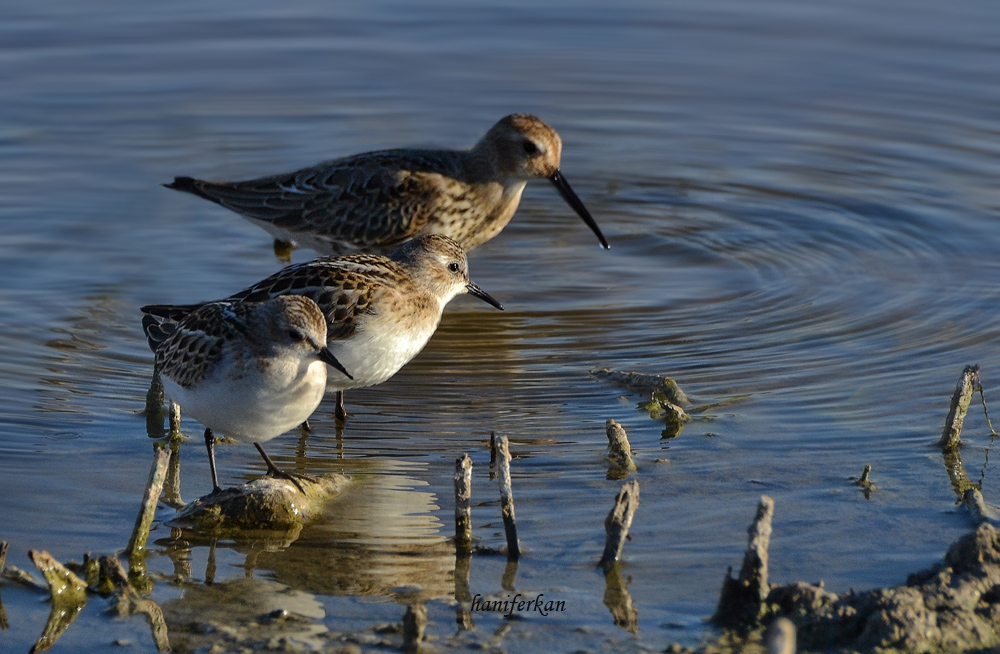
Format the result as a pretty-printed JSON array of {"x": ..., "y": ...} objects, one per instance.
[
  {"x": 326, "y": 356},
  {"x": 567, "y": 193},
  {"x": 483, "y": 295}
]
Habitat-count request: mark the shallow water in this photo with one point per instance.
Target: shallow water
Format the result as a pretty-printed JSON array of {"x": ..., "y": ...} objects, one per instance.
[{"x": 802, "y": 205}]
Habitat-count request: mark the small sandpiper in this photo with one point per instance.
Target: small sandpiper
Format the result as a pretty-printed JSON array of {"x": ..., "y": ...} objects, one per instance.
[
  {"x": 248, "y": 370},
  {"x": 376, "y": 201},
  {"x": 380, "y": 311}
]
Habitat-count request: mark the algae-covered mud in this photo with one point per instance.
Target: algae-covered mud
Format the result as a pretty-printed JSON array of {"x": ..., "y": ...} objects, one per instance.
[{"x": 801, "y": 203}]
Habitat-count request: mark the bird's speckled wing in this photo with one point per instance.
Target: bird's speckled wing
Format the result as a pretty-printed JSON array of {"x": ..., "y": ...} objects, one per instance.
[
  {"x": 196, "y": 345},
  {"x": 345, "y": 288},
  {"x": 159, "y": 321},
  {"x": 374, "y": 200}
]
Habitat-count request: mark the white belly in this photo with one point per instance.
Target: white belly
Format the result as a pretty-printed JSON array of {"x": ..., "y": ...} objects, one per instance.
[
  {"x": 256, "y": 407},
  {"x": 374, "y": 355}
]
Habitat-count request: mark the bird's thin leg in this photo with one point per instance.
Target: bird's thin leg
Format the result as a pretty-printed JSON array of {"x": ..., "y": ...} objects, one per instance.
[{"x": 210, "y": 445}]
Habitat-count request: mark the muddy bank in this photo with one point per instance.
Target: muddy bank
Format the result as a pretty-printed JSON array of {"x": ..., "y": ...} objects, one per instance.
[{"x": 953, "y": 606}]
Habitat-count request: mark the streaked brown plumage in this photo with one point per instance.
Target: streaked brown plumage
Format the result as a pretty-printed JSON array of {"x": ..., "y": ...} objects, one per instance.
[
  {"x": 380, "y": 311},
  {"x": 375, "y": 201},
  {"x": 249, "y": 370}
]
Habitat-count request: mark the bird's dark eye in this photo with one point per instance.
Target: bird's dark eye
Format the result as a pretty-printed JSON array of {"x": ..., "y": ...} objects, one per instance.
[
  {"x": 296, "y": 335},
  {"x": 454, "y": 267},
  {"x": 530, "y": 148}
]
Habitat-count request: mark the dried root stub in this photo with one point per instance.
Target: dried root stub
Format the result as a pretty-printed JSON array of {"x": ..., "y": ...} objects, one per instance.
[
  {"x": 618, "y": 522},
  {"x": 619, "y": 449},
  {"x": 742, "y": 598}
]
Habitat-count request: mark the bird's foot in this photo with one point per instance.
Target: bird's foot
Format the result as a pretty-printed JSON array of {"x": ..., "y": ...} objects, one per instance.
[{"x": 293, "y": 477}]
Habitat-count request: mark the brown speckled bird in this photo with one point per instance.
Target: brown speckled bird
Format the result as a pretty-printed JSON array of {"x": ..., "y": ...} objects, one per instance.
[
  {"x": 380, "y": 311},
  {"x": 376, "y": 201},
  {"x": 248, "y": 370}
]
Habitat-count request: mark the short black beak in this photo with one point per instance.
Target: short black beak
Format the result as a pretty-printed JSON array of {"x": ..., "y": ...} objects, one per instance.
[
  {"x": 483, "y": 295},
  {"x": 326, "y": 356},
  {"x": 567, "y": 193}
]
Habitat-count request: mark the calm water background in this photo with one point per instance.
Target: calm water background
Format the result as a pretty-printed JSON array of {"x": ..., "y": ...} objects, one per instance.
[{"x": 802, "y": 203}]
